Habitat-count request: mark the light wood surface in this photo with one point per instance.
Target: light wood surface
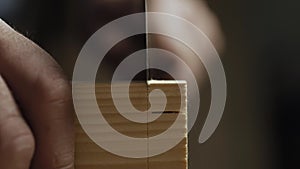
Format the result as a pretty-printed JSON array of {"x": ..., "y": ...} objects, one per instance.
[{"x": 89, "y": 155}]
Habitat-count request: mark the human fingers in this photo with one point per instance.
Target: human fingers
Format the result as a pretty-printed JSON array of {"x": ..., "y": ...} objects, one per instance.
[
  {"x": 44, "y": 94},
  {"x": 16, "y": 139}
]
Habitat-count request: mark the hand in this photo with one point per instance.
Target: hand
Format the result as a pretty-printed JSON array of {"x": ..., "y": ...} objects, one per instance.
[{"x": 36, "y": 126}]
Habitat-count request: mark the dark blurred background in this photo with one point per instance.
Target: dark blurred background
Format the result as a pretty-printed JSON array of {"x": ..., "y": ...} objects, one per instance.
[{"x": 258, "y": 42}]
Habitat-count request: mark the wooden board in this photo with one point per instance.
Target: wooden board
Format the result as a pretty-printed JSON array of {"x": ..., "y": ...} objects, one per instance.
[{"x": 88, "y": 155}]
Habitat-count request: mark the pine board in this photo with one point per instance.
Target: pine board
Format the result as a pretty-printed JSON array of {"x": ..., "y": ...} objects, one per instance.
[{"x": 88, "y": 155}]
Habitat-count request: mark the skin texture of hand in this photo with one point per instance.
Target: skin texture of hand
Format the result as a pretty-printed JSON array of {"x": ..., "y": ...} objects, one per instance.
[{"x": 36, "y": 124}]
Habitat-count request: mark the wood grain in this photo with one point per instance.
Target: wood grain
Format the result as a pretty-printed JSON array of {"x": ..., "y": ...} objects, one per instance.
[{"x": 89, "y": 155}]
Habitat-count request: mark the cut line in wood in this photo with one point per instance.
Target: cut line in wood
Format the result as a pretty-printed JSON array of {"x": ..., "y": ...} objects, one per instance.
[{"x": 88, "y": 155}]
